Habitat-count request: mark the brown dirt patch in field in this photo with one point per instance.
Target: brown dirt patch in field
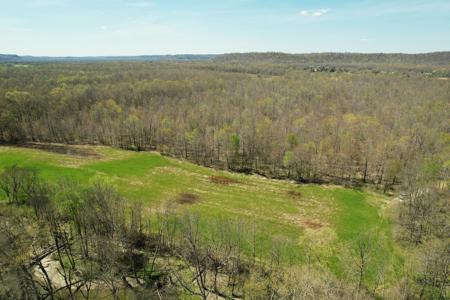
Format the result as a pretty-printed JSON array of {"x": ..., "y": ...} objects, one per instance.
[
  {"x": 187, "y": 198},
  {"x": 62, "y": 149},
  {"x": 304, "y": 222},
  {"x": 312, "y": 224},
  {"x": 295, "y": 194},
  {"x": 223, "y": 180}
]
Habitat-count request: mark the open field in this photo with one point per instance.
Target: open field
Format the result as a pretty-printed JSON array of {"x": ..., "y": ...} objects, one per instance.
[{"x": 309, "y": 220}]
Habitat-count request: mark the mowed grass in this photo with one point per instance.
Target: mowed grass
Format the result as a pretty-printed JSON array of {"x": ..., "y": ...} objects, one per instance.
[{"x": 302, "y": 220}]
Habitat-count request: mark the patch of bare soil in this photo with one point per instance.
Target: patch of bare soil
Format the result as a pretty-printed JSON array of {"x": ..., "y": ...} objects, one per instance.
[
  {"x": 62, "y": 149},
  {"x": 305, "y": 223},
  {"x": 187, "y": 198},
  {"x": 52, "y": 268},
  {"x": 295, "y": 194},
  {"x": 312, "y": 224},
  {"x": 223, "y": 180}
]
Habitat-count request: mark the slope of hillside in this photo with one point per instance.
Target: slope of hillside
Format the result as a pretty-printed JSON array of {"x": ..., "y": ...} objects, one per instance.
[{"x": 310, "y": 220}]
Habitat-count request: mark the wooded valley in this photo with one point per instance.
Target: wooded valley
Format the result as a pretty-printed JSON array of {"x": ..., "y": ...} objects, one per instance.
[{"x": 378, "y": 125}]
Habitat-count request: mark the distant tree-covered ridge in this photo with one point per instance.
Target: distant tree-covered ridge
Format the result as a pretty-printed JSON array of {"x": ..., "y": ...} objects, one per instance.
[
  {"x": 434, "y": 58},
  {"x": 30, "y": 59}
]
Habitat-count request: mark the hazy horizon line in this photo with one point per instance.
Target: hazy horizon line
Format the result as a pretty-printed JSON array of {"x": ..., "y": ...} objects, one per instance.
[{"x": 226, "y": 53}]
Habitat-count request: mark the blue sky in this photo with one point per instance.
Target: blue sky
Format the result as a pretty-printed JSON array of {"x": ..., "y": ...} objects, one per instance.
[{"x": 135, "y": 27}]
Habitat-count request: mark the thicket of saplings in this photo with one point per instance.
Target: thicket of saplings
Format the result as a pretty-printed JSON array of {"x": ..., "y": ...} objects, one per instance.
[{"x": 72, "y": 241}]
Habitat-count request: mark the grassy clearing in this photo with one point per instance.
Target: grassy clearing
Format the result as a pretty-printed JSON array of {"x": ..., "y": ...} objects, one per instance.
[{"x": 305, "y": 220}]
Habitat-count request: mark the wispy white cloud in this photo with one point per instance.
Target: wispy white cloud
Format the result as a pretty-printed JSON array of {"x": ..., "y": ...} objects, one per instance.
[{"x": 314, "y": 13}]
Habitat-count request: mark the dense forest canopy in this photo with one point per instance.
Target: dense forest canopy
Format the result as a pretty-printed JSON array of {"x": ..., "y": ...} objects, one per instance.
[{"x": 356, "y": 125}]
